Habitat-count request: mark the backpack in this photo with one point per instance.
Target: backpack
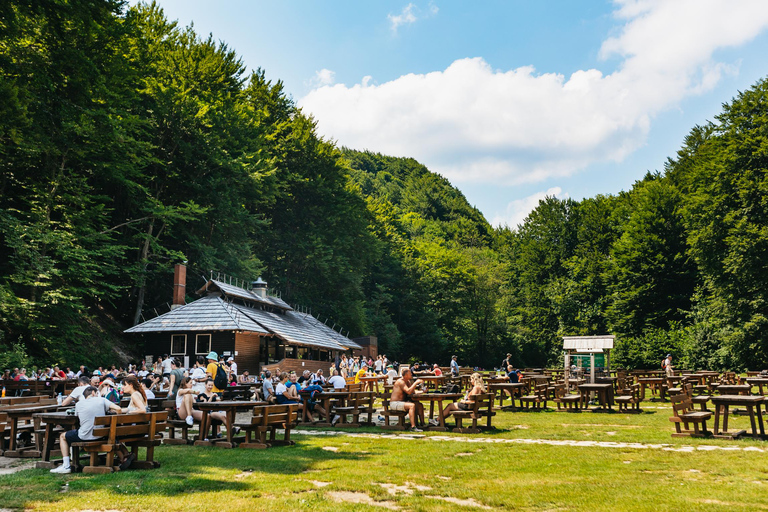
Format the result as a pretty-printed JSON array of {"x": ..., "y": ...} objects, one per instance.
[
  {"x": 220, "y": 380},
  {"x": 451, "y": 389}
]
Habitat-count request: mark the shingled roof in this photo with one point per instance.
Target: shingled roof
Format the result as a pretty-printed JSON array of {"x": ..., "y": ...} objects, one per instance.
[
  {"x": 207, "y": 314},
  {"x": 268, "y": 316}
]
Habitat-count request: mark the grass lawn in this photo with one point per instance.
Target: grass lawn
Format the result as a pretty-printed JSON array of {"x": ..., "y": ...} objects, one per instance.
[{"x": 397, "y": 471}]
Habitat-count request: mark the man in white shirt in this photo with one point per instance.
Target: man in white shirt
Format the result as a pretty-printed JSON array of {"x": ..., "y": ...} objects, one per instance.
[
  {"x": 377, "y": 365},
  {"x": 166, "y": 366},
  {"x": 83, "y": 382},
  {"x": 391, "y": 375},
  {"x": 90, "y": 407},
  {"x": 142, "y": 374},
  {"x": 337, "y": 381},
  {"x": 232, "y": 366}
]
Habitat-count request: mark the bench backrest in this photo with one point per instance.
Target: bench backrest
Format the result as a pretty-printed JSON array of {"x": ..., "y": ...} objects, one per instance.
[
  {"x": 275, "y": 414},
  {"x": 361, "y": 399},
  {"x": 681, "y": 404},
  {"x": 121, "y": 426}
]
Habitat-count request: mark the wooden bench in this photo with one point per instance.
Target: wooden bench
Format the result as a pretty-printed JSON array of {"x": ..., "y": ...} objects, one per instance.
[
  {"x": 174, "y": 423},
  {"x": 480, "y": 407},
  {"x": 387, "y": 413},
  {"x": 358, "y": 403},
  {"x": 3, "y": 426},
  {"x": 684, "y": 414},
  {"x": 568, "y": 400},
  {"x": 537, "y": 398},
  {"x": 133, "y": 430},
  {"x": 700, "y": 400},
  {"x": 267, "y": 419},
  {"x": 630, "y": 402}
]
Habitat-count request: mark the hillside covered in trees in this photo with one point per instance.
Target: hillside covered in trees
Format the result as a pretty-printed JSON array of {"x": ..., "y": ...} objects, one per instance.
[{"x": 128, "y": 144}]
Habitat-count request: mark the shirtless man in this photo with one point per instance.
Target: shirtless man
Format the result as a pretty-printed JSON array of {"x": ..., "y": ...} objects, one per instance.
[{"x": 401, "y": 389}]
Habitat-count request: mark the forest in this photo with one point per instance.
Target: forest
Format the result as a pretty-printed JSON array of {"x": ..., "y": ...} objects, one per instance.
[{"x": 129, "y": 143}]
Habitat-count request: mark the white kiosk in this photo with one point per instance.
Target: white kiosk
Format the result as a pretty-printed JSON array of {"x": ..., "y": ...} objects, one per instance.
[{"x": 578, "y": 347}]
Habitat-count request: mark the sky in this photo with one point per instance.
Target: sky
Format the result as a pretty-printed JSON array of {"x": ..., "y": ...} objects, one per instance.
[{"x": 510, "y": 100}]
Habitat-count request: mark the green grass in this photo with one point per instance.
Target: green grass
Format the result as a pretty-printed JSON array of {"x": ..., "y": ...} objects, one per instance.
[{"x": 511, "y": 476}]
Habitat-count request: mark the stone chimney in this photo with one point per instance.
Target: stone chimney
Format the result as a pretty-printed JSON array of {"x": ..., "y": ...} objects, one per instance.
[
  {"x": 179, "y": 285},
  {"x": 259, "y": 288}
]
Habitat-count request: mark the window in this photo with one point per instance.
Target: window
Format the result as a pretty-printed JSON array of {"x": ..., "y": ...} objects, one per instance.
[
  {"x": 179, "y": 344},
  {"x": 202, "y": 344}
]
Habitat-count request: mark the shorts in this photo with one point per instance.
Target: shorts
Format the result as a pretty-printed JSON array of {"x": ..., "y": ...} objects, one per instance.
[
  {"x": 396, "y": 406},
  {"x": 463, "y": 406},
  {"x": 73, "y": 436}
]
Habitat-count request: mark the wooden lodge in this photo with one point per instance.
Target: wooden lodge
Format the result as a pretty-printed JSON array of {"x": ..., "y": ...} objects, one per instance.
[{"x": 259, "y": 330}]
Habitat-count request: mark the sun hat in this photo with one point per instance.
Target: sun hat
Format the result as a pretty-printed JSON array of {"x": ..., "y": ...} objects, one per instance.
[{"x": 212, "y": 355}]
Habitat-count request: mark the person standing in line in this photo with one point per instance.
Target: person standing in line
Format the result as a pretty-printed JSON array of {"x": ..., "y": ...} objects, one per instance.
[
  {"x": 454, "y": 366},
  {"x": 377, "y": 367},
  {"x": 232, "y": 366}
]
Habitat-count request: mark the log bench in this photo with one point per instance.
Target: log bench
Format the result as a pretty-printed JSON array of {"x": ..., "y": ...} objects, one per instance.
[
  {"x": 480, "y": 407},
  {"x": 267, "y": 419},
  {"x": 133, "y": 430},
  {"x": 386, "y": 398},
  {"x": 631, "y": 401},
  {"x": 684, "y": 414}
]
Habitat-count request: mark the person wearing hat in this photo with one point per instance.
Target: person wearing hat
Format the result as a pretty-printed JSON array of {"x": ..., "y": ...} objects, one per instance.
[
  {"x": 391, "y": 374},
  {"x": 507, "y": 361},
  {"x": 232, "y": 367},
  {"x": 213, "y": 365},
  {"x": 666, "y": 364},
  {"x": 454, "y": 366}
]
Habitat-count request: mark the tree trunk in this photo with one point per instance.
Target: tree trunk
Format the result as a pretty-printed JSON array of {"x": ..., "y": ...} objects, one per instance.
[{"x": 144, "y": 259}]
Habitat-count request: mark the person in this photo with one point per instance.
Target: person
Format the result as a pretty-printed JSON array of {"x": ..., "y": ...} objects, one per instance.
[
  {"x": 391, "y": 374},
  {"x": 437, "y": 371},
  {"x": 337, "y": 381},
  {"x": 199, "y": 376},
  {"x": 185, "y": 399},
  {"x": 165, "y": 365},
  {"x": 177, "y": 374},
  {"x": 513, "y": 375},
  {"x": 70, "y": 373},
  {"x": 361, "y": 373},
  {"x": 478, "y": 388},
  {"x": 142, "y": 374},
  {"x": 507, "y": 361},
  {"x": 666, "y": 364},
  {"x": 77, "y": 393},
  {"x": 146, "y": 385},
  {"x": 305, "y": 378},
  {"x": 21, "y": 376},
  {"x": 232, "y": 366},
  {"x": 245, "y": 378},
  {"x": 401, "y": 392},
  {"x": 293, "y": 386},
  {"x": 81, "y": 371},
  {"x": 90, "y": 407},
  {"x": 282, "y": 393},
  {"x": 213, "y": 365},
  {"x": 454, "y": 366},
  {"x": 107, "y": 390},
  {"x": 267, "y": 388},
  {"x": 209, "y": 395},
  {"x": 318, "y": 378},
  {"x": 377, "y": 367},
  {"x": 132, "y": 388}
]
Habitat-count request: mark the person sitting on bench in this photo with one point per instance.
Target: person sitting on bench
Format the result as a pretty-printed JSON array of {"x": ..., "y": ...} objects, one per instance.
[{"x": 87, "y": 410}]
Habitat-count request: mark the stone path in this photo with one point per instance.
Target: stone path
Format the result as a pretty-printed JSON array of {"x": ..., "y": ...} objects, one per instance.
[{"x": 548, "y": 442}]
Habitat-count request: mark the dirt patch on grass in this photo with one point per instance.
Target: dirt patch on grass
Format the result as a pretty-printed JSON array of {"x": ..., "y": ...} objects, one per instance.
[
  {"x": 244, "y": 474},
  {"x": 464, "y": 503},
  {"x": 318, "y": 483},
  {"x": 406, "y": 488},
  {"x": 9, "y": 465},
  {"x": 464, "y": 454},
  {"x": 330, "y": 448},
  {"x": 361, "y": 498}
]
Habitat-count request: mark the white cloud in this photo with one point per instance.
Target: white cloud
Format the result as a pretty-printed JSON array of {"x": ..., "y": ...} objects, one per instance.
[
  {"x": 322, "y": 78},
  {"x": 519, "y": 209},
  {"x": 471, "y": 122},
  {"x": 406, "y": 16}
]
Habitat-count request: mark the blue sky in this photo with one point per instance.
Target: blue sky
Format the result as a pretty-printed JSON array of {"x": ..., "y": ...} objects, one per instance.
[{"x": 509, "y": 100}]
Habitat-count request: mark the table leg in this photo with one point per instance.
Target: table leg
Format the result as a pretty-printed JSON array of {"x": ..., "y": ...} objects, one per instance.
[
  {"x": 203, "y": 426},
  {"x": 726, "y": 409},
  {"x": 12, "y": 441},
  {"x": 751, "y": 410},
  {"x": 717, "y": 420},
  {"x": 760, "y": 421},
  {"x": 47, "y": 442}
]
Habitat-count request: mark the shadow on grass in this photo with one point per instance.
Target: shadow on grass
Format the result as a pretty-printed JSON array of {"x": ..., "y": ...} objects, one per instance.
[{"x": 184, "y": 470}]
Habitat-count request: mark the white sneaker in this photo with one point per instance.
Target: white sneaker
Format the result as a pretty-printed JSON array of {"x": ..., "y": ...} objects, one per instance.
[
  {"x": 190, "y": 420},
  {"x": 335, "y": 419},
  {"x": 62, "y": 470},
  {"x": 434, "y": 423},
  {"x": 416, "y": 429}
]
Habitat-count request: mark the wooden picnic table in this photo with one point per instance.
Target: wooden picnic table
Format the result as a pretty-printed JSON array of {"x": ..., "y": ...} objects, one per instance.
[
  {"x": 722, "y": 405},
  {"x": 48, "y": 421},
  {"x": 734, "y": 389},
  {"x": 759, "y": 382},
  {"x": 604, "y": 394},
  {"x": 23, "y": 413},
  {"x": 511, "y": 388},
  {"x": 653, "y": 383},
  {"x": 432, "y": 381},
  {"x": 438, "y": 398},
  {"x": 229, "y": 408},
  {"x": 238, "y": 392},
  {"x": 372, "y": 381}
]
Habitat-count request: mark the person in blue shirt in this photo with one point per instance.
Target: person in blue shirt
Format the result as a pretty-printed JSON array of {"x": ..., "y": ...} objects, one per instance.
[
  {"x": 514, "y": 375},
  {"x": 454, "y": 366}
]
